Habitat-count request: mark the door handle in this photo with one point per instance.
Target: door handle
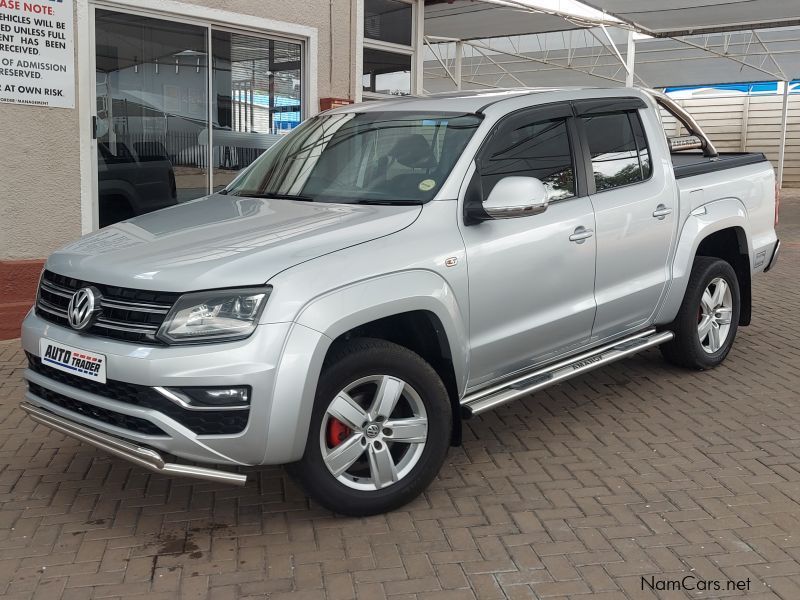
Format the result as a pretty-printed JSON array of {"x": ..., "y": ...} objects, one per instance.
[
  {"x": 581, "y": 234},
  {"x": 661, "y": 212}
]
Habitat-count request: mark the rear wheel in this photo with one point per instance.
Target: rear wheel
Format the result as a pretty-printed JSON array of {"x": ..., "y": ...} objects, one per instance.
[
  {"x": 380, "y": 429},
  {"x": 706, "y": 325}
]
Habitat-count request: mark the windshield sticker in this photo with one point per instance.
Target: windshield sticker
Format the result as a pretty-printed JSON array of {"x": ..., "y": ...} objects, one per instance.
[{"x": 426, "y": 185}]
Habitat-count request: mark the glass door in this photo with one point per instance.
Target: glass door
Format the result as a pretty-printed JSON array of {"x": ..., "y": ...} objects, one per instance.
[
  {"x": 256, "y": 98},
  {"x": 161, "y": 137},
  {"x": 152, "y": 114}
]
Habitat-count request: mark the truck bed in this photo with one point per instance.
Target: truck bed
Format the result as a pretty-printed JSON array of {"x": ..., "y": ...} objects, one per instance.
[{"x": 689, "y": 164}]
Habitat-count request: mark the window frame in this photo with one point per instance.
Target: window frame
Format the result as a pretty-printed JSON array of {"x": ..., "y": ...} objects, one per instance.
[
  {"x": 606, "y": 106},
  {"x": 390, "y": 49},
  {"x": 387, "y": 44},
  {"x": 539, "y": 114},
  {"x": 393, "y": 48}
]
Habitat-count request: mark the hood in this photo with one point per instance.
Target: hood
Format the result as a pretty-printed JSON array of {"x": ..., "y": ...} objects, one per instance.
[{"x": 222, "y": 241}]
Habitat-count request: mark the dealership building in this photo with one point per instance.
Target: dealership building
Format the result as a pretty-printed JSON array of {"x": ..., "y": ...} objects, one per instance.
[{"x": 114, "y": 108}]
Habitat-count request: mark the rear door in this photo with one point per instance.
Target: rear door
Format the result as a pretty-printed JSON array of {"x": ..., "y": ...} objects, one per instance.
[
  {"x": 531, "y": 278},
  {"x": 635, "y": 205}
]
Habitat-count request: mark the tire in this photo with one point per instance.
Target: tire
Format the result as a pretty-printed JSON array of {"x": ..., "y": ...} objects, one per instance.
[
  {"x": 367, "y": 370},
  {"x": 690, "y": 348}
]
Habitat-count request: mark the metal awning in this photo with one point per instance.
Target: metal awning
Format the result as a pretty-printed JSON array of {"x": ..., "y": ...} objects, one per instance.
[
  {"x": 686, "y": 17},
  {"x": 478, "y": 19},
  {"x": 587, "y": 57},
  {"x": 481, "y": 19}
]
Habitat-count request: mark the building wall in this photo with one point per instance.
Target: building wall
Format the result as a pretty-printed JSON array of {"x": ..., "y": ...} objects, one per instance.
[{"x": 40, "y": 179}]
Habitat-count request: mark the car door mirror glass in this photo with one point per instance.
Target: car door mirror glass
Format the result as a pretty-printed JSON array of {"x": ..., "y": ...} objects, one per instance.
[{"x": 516, "y": 197}]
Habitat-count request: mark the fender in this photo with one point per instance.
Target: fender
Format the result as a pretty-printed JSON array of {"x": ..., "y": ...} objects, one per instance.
[
  {"x": 389, "y": 295},
  {"x": 322, "y": 320},
  {"x": 719, "y": 215}
]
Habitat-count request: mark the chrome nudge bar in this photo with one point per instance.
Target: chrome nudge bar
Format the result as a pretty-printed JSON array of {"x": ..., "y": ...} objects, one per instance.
[{"x": 144, "y": 457}]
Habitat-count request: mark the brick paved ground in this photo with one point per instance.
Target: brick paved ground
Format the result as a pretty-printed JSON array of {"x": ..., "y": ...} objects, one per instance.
[{"x": 638, "y": 469}]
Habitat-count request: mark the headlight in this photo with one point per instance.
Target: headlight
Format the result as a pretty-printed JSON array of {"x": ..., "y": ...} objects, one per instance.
[{"x": 217, "y": 315}]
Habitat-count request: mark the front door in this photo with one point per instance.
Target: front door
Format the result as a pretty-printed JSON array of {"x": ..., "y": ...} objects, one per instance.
[
  {"x": 531, "y": 279},
  {"x": 634, "y": 201}
]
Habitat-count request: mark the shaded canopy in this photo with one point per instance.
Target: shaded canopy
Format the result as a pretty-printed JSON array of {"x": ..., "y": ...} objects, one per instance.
[
  {"x": 475, "y": 19},
  {"x": 685, "y": 17},
  {"x": 516, "y": 43}
]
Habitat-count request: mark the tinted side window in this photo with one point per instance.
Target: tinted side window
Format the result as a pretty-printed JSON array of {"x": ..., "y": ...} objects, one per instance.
[
  {"x": 540, "y": 150},
  {"x": 619, "y": 149}
]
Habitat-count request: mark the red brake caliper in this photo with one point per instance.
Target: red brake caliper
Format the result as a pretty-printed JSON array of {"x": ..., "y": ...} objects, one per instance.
[{"x": 337, "y": 432}]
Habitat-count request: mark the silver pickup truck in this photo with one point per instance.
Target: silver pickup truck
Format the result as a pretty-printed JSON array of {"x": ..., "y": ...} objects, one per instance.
[{"x": 390, "y": 269}]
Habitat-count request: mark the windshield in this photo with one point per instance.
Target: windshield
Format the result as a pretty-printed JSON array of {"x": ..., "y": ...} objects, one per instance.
[{"x": 381, "y": 157}]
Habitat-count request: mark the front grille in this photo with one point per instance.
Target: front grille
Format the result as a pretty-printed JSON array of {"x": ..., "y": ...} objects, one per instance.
[
  {"x": 95, "y": 412},
  {"x": 126, "y": 314},
  {"x": 216, "y": 422}
]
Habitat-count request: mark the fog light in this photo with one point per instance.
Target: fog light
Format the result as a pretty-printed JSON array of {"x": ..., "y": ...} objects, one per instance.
[{"x": 208, "y": 398}]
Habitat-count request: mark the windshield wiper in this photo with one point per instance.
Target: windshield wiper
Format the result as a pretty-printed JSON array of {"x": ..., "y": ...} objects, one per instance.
[
  {"x": 388, "y": 202},
  {"x": 273, "y": 196}
]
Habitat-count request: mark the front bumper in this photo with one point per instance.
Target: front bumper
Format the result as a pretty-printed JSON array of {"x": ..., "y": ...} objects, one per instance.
[
  {"x": 144, "y": 457},
  {"x": 254, "y": 362}
]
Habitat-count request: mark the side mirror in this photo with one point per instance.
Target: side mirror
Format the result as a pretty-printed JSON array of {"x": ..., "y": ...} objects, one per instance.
[{"x": 516, "y": 197}]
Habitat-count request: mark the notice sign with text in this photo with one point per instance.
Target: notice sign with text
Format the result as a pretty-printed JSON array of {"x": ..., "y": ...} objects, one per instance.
[{"x": 37, "y": 64}]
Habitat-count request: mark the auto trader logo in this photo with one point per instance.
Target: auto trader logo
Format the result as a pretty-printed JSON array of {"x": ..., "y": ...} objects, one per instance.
[{"x": 75, "y": 361}]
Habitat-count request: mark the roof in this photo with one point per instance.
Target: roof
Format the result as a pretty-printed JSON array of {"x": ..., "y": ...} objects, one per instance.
[
  {"x": 465, "y": 101},
  {"x": 470, "y": 101}
]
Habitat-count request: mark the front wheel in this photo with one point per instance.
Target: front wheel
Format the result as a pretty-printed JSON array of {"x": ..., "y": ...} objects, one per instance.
[
  {"x": 706, "y": 325},
  {"x": 380, "y": 429}
]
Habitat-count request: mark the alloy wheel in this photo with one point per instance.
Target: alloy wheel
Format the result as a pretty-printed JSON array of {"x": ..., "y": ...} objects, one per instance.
[
  {"x": 373, "y": 432},
  {"x": 714, "y": 320}
]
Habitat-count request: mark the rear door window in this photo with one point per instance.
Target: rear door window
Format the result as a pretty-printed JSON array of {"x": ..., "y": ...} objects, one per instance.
[{"x": 618, "y": 148}]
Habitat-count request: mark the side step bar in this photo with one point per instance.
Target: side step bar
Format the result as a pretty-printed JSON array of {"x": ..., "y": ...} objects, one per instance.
[
  {"x": 144, "y": 457},
  {"x": 522, "y": 385}
]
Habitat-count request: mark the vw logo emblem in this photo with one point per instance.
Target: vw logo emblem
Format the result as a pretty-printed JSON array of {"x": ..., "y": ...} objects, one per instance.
[
  {"x": 372, "y": 430},
  {"x": 83, "y": 306}
]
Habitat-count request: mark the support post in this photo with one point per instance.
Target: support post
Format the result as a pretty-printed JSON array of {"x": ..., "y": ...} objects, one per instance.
[
  {"x": 745, "y": 123},
  {"x": 458, "y": 60},
  {"x": 784, "y": 121},
  {"x": 419, "y": 49},
  {"x": 631, "y": 59},
  {"x": 357, "y": 49}
]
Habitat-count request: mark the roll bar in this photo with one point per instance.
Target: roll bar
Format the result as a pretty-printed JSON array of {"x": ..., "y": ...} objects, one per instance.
[{"x": 692, "y": 126}]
